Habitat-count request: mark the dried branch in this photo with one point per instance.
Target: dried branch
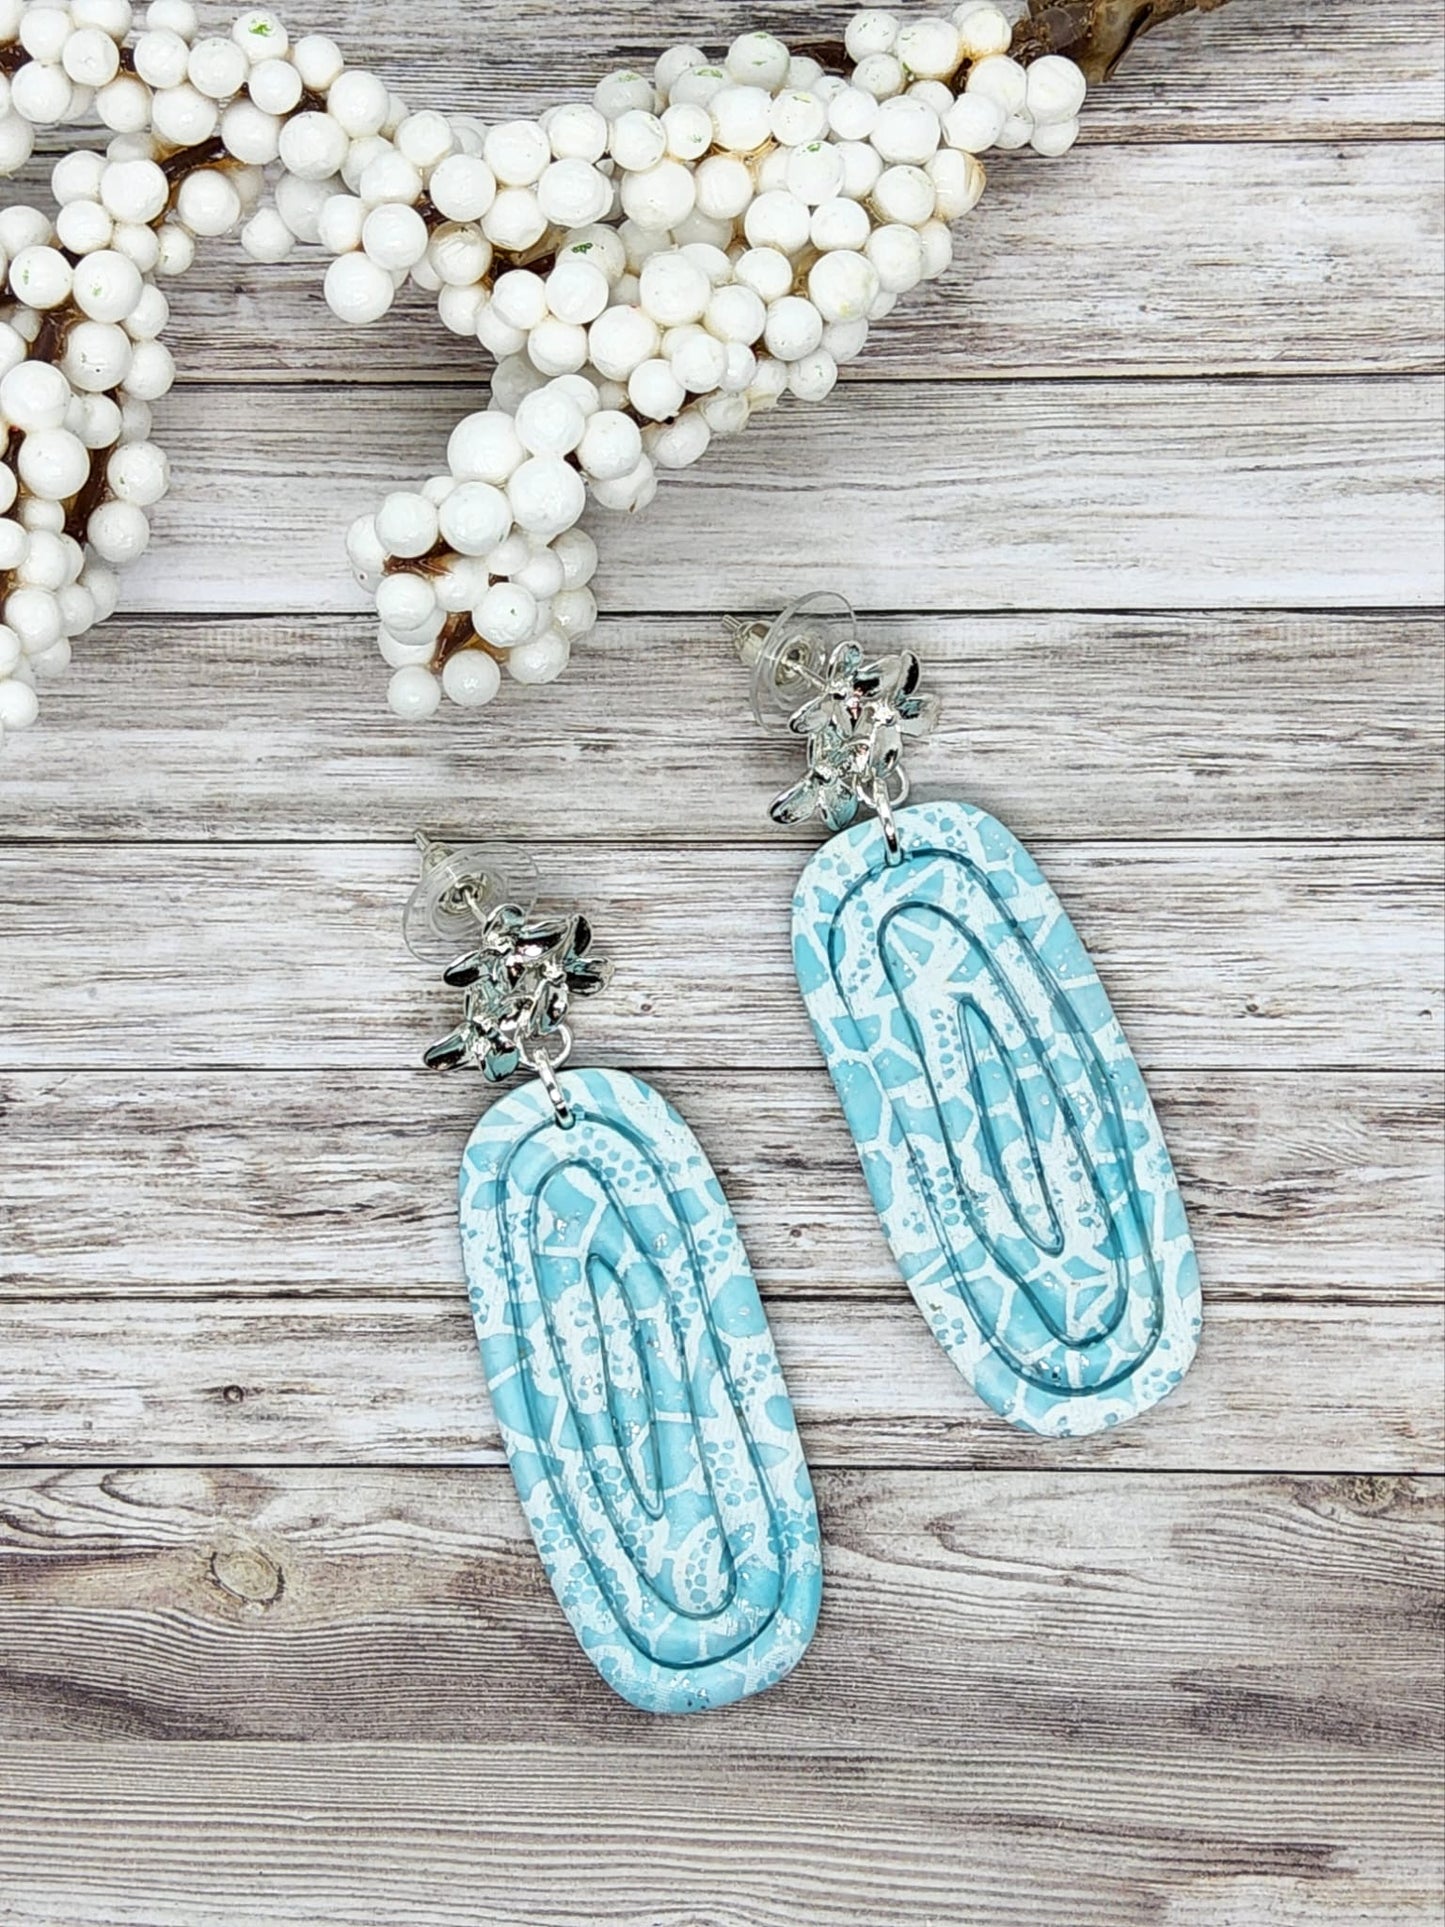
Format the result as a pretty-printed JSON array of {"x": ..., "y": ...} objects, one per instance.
[{"x": 1095, "y": 33}]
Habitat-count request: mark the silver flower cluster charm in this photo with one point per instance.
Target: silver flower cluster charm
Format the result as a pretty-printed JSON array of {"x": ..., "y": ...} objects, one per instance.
[
  {"x": 855, "y": 725},
  {"x": 519, "y": 982}
]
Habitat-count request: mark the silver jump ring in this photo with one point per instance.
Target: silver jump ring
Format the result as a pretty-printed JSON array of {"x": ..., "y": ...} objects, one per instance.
[
  {"x": 547, "y": 1066},
  {"x": 884, "y": 806}
]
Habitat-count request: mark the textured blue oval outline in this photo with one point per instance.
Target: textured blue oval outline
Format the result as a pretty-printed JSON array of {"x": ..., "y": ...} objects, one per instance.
[
  {"x": 1005, "y": 1130},
  {"x": 639, "y": 1397}
]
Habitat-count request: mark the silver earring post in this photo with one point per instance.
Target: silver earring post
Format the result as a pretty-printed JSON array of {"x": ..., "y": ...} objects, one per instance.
[
  {"x": 518, "y": 970},
  {"x": 810, "y": 674}
]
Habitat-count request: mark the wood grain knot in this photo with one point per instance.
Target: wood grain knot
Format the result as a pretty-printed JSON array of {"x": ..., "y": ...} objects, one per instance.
[
  {"x": 1371, "y": 1492},
  {"x": 247, "y": 1574}
]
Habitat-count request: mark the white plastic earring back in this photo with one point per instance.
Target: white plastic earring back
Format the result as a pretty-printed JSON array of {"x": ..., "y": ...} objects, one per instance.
[
  {"x": 788, "y": 656},
  {"x": 461, "y": 884}
]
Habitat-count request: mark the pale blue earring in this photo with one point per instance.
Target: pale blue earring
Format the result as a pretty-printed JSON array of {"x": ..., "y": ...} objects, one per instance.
[
  {"x": 630, "y": 1365},
  {"x": 1004, "y": 1128}
]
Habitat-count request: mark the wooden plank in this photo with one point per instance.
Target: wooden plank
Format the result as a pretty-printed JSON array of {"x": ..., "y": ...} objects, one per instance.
[
  {"x": 1259, "y": 70},
  {"x": 1243, "y": 956},
  {"x": 1089, "y": 495},
  {"x": 409, "y": 1606},
  {"x": 1303, "y": 259},
  {"x": 197, "y": 1835},
  {"x": 1232, "y": 725},
  {"x": 1315, "y": 70},
  {"x": 1064, "y": 1689},
  {"x": 1316, "y": 1186},
  {"x": 394, "y": 1381}
]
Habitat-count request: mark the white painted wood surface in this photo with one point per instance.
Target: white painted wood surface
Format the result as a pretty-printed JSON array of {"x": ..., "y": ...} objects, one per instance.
[
  {"x": 1234, "y": 727},
  {"x": 1242, "y": 495},
  {"x": 1152, "y": 480}
]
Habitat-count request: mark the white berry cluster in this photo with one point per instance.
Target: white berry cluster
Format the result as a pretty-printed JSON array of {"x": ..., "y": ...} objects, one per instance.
[{"x": 648, "y": 268}]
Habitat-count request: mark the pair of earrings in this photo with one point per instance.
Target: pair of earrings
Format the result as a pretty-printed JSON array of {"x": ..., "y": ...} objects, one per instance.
[{"x": 1006, "y": 1136}]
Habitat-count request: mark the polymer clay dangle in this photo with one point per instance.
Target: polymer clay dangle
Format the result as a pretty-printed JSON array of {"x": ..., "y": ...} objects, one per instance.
[
  {"x": 649, "y": 268},
  {"x": 632, "y": 1373},
  {"x": 1000, "y": 1117}
]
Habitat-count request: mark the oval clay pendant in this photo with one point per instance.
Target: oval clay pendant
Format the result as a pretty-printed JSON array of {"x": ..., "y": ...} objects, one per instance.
[
  {"x": 639, "y": 1396},
  {"x": 1006, "y": 1135}
]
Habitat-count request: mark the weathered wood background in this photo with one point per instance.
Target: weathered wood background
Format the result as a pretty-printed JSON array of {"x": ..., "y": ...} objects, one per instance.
[{"x": 1153, "y": 481}]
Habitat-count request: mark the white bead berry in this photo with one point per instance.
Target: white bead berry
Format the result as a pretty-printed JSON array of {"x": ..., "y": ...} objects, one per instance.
[
  {"x": 517, "y": 151},
  {"x": 34, "y": 394},
  {"x": 546, "y": 495},
  {"x": 357, "y": 289},
  {"x": 842, "y": 285},
  {"x": 958, "y": 181},
  {"x": 654, "y": 390},
  {"x": 794, "y": 327},
  {"x": 318, "y": 60},
  {"x": 1055, "y": 138},
  {"x": 930, "y": 49},
  {"x": 871, "y": 32},
  {"x": 741, "y": 118},
  {"x": 217, "y": 68},
  {"x": 19, "y": 705},
  {"x": 139, "y": 473},
  {"x": 549, "y": 421},
  {"x": 207, "y": 202},
  {"x": 907, "y": 130},
  {"x": 259, "y": 34},
  {"x": 541, "y": 660},
  {"x": 266, "y": 237},
  {"x": 715, "y": 235},
  {"x": 1000, "y": 79},
  {"x": 515, "y": 220},
  {"x": 91, "y": 57},
  {"x": 897, "y": 253},
  {"x": 758, "y": 60},
  {"x": 471, "y": 677},
  {"x": 576, "y": 291},
  {"x": 53, "y": 463},
  {"x": 414, "y": 693},
  {"x": 673, "y": 289},
  {"x": 118, "y": 532},
  {"x": 982, "y": 30},
  {"x": 394, "y": 236},
  {"x": 474, "y": 518},
  {"x": 41, "y": 277},
  {"x": 506, "y": 615},
  {"x": 407, "y": 604},
  {"x": 880, "y": 75},
  {"x": 406, "y": 523},
  {"x": 358, "y": 102}
]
